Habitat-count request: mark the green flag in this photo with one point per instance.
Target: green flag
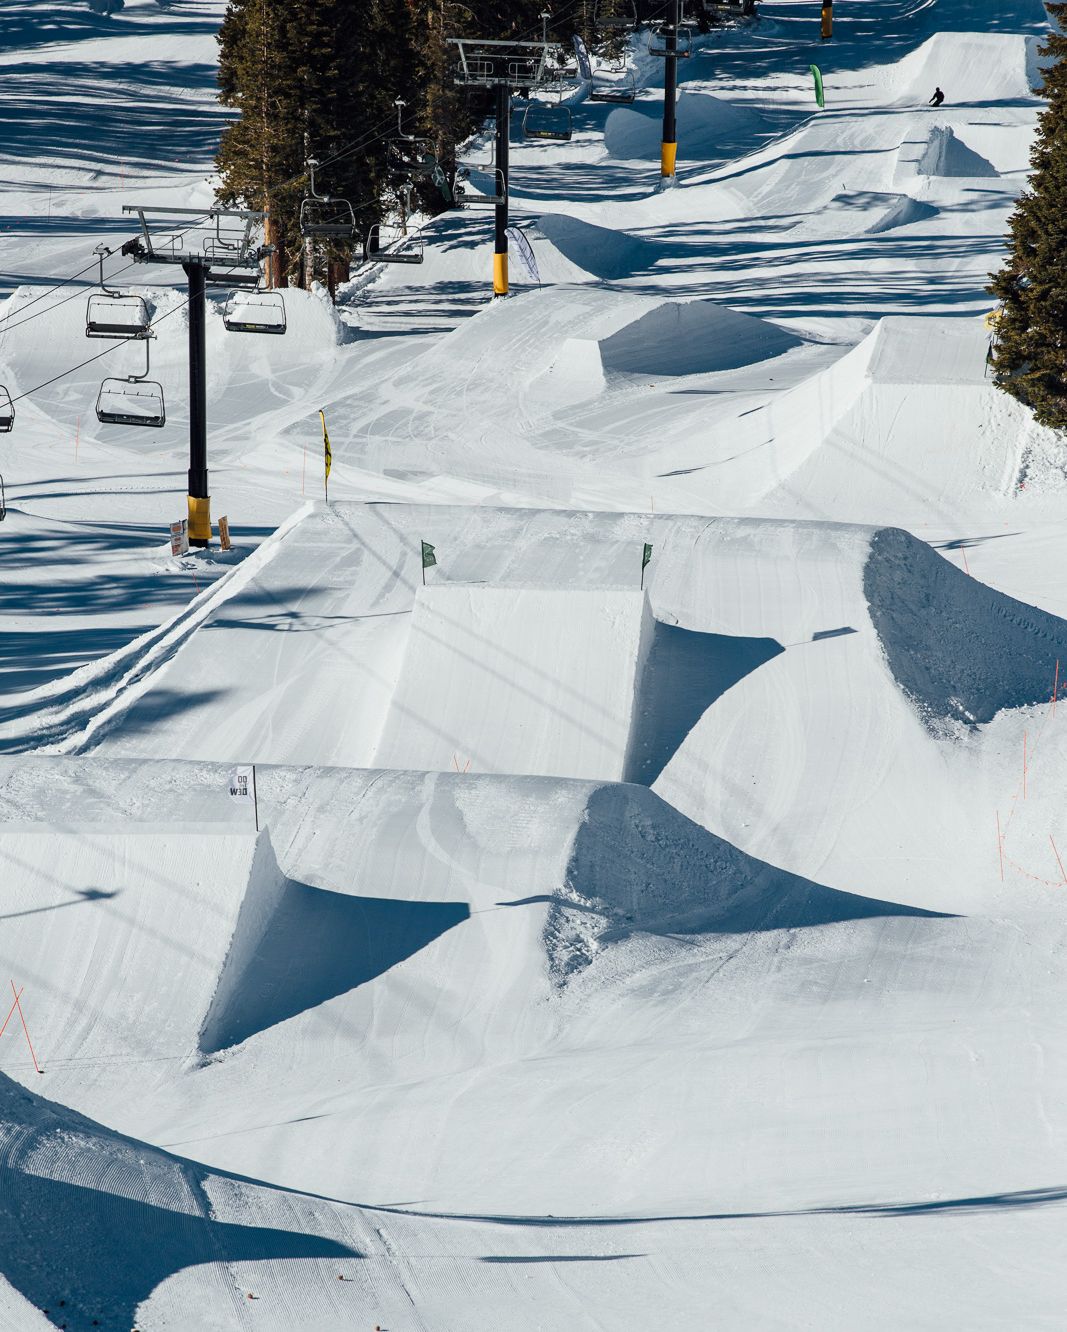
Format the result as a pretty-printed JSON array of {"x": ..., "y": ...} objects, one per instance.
[
  {"x": 816, "y": 74},
  {"x": 429, "y": 559},
  {"x": 646, "y": 555}
]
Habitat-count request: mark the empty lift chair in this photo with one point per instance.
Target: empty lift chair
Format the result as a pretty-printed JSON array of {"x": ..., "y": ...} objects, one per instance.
[
  {"x": 612, "y": 85},
  {"x": 551, "y": 124},
  {"x": 615, "y": 15},
  {"x": 322, "y": 217},
  {"x": 392, "y": 245},
  {"x": 254, "y": 312},
  {"x": 115, "y": 314},
  {"x": 133, "y": 401},
  {"x": 7, "y": 412}
]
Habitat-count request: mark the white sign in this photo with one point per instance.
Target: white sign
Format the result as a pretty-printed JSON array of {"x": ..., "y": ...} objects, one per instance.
[
  {"x": 179, "y": 537},
  {"x": 241, "y": 785}
]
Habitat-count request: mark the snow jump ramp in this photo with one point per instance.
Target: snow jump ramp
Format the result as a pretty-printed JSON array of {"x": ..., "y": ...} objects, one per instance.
[{"x": 519, "y": 680}]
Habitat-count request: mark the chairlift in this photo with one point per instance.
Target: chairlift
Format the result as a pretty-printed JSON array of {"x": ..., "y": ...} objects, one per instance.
[
  {"x": 550, "y": 123},
  {"x": 391, "y": 245},
  {"x": 491, "y": 195},
  {"x": 619, "y": 89},
  {"x": 3, "y": 501},
  {"x": 321, "y": 216},
  {"x": 7, "y": 411},
  {"x": 133, "y": 401},
  {"x": 615, "y": 15},
  {"x": 254, "y": 312},
  {"x": 115, "y": 314},
  {"x": 657, "y": 42}
]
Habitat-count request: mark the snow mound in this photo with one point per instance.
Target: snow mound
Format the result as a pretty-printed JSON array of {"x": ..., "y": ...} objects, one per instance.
[
  {"x": 885, "y": 432},
  {"x": 512, "y": 680},
  {"x": 971, "y": 67},
  {"x": 93, "y": 1222},
  {"x": 706, "y": 125},
  {"x": 693, "y": 337},
  {"x": 600, "y": 251},
  {"x": 947, "y": 155},
  {"x": 960, "y": 650},
  {"x": 639, "y": 866},
  {"x": 157, "y": 912},
  {"x": 902, "y": 210},
  {"x": 564, "y": 342}
]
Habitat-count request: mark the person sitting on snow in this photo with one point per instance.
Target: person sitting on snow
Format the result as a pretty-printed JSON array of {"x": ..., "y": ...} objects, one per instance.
[{"x": 937, "y": 98}]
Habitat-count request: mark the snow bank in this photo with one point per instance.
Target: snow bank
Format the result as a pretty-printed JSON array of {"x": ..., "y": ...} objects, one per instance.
[
  {"x": 946, "y": 154},
  {"x": 512, "y": 680},
  {"x": 92, "y": 1223},
  {"x": 638, "y": 866},
  {"x": 703, "y": 120},
  {"x": 121, "y": 937},
  {"x": 972, "y": 67},
  {"x": 960, "y": 650}
]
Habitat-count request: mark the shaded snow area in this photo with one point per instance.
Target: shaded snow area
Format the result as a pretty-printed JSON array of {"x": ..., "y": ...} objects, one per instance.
[{"x": 650, "y": 912}]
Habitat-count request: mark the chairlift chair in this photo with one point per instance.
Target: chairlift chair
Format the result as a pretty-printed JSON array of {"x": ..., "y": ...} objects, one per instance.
[
  {"x": 7, "y": 411},
  {"x": 620, "y": 90},
  {"x": 389, "y": 245},
  {"x": 115, "y": 314},
  {"x": 552, "y": 124},
  {"x": 3, "y": 501},
  {"x": 657, "y": 42},
  {"x": 323, "y": 217},
  {"x": 255, "y": 312},
  {"x": 491, "y": 196},
  {"x": 615, "y": 15},
  {"x": 112, "y": 314},
  {"x": 133, "y": 401}
]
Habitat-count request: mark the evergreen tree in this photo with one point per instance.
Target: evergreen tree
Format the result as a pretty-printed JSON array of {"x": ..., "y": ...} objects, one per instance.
[{"x": 1029, "y": 355}]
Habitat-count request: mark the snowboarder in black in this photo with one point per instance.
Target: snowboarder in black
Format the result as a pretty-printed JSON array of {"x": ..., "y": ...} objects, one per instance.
[{"x": 937, "y": 98}]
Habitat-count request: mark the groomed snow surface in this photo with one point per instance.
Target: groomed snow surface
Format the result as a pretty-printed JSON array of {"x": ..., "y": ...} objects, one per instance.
[{"x": 617, "y": 943}]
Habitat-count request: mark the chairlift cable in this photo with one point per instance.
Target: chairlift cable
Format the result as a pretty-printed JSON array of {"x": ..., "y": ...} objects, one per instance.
[
  {"x": 70, "y": 370},
  {"x": 7, "y": 326}
]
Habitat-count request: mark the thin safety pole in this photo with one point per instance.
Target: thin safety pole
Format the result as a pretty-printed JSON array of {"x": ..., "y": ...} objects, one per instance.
[
  {"x": 255, "y": 796},
  {"x": 669, "y": 146},
  {"x": 199, "y": 496},
  {"x": 25, "y": 1029},
  {"x": 503, "y": 145}
]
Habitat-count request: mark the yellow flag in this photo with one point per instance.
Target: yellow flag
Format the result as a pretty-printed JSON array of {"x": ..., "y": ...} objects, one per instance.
[{"x": 327, "y": 452}]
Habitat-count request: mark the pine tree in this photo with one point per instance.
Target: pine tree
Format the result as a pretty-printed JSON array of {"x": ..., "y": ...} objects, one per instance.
[{"x": 1029, "y": 356}]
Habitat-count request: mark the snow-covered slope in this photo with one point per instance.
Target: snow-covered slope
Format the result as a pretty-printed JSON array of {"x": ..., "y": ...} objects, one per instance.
[{"x": 611, "y": 945}]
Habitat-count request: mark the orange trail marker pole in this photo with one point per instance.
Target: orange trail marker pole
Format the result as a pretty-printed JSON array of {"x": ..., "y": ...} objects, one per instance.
[
  {"x": 18, "y": 1005},
  {"x": 1059, "y": 862},
  {"x": 9, "y": 1012},
  {"x": 1055, "y": 686},
  {"x": 1000, "y": 847}
]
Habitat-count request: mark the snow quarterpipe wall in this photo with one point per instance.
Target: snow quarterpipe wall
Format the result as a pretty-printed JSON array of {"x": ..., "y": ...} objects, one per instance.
[
  {"x": 121, "y": 938},
  {"x": 518, "y": 680}
]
